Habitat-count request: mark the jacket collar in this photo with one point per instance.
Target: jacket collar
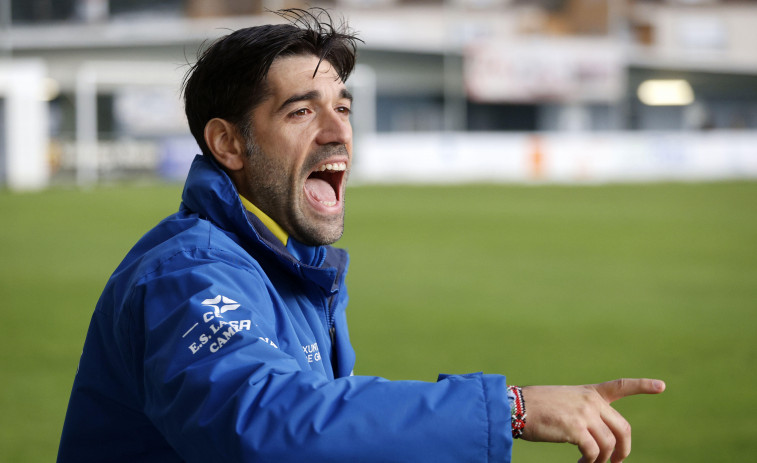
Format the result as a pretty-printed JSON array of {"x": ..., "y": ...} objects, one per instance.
[{"x": 210, "y": 193}]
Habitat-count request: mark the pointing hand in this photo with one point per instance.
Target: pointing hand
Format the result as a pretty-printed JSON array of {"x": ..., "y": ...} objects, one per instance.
[{"x": 582, "y": 415}]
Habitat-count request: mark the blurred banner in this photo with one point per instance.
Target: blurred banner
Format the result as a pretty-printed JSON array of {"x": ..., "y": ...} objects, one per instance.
[
  {"x": 559, "y": 70},
  {"x": 556, "y": 157}
]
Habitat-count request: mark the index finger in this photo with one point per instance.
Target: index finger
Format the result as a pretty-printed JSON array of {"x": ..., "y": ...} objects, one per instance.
[{"x": 619, "y": 388}]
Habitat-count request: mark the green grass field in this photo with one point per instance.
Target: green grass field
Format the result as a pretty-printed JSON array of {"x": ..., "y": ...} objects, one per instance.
[{"x": 549, "y": 285}]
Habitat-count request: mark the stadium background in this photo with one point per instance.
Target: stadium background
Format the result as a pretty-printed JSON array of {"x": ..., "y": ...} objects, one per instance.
[{"x": 518, "y": 204}]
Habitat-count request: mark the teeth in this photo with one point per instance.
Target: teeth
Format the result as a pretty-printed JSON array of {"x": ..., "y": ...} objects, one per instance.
[
  {"x": 337, "y": 166},
  {"x": 328, "y": 203}
]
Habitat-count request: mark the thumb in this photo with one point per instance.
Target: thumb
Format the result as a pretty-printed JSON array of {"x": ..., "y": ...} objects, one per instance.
[{"x": 619, "y": 388}]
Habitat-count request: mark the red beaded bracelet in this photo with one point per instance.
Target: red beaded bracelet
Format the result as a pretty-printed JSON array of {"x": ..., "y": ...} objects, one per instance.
[{"x": 517, "y": 412}]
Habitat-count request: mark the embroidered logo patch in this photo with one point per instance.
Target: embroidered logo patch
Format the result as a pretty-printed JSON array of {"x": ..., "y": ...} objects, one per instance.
[{"x": 218, "y": 308}]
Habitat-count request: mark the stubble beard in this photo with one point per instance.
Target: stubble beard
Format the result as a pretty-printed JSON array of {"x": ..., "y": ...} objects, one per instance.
[{"x": 282, "y": 198}]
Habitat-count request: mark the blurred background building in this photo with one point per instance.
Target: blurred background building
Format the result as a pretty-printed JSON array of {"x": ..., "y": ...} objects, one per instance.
[{"x": 456, "y": 90}]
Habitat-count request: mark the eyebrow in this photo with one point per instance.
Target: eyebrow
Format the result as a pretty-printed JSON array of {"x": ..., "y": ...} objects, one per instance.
[{"x": 311, "y": 95}]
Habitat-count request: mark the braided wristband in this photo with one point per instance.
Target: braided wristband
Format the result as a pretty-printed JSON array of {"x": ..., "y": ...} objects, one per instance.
[{"x": 517, "y": 411}]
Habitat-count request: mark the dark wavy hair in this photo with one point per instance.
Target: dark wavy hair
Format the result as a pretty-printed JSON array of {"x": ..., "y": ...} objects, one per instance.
[{"x": 229, "y": 78}]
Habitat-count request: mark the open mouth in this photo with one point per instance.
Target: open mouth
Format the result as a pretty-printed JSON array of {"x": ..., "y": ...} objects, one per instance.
[{"x": 324, "y": 184}]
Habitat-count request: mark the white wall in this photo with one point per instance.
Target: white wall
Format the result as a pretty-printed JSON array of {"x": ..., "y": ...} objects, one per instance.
[{"x": 25, "y": 124}]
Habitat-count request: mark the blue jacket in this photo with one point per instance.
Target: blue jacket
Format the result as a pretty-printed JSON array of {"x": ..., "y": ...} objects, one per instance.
[{"x": 214, "y": 342}]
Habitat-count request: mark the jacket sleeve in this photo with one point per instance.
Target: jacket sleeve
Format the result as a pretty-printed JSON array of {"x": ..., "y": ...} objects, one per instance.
[{"x": 220, "y": 393}]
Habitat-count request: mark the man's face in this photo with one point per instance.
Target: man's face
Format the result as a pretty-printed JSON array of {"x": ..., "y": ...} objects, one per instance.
[{"x": 301, "y": 150}]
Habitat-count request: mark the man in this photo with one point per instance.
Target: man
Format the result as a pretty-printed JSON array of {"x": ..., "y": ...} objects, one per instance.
[{"x": 222, "y": 336}]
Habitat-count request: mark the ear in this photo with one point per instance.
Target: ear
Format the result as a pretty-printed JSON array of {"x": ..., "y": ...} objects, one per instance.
[{"x": 226, "y": 143}]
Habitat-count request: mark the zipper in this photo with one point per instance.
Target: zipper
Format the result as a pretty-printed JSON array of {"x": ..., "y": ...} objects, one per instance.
[
  {"x": 332, "y": 332},
  {"x": 330, "y": 319}
]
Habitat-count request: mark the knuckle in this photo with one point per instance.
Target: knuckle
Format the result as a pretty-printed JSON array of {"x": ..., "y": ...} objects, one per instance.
[
  {"x": 610, "y": 444},
  {"x": 607, "y": 440},
  {"x": 592, "y": 454},
  {"x": 621, "y": 384},
  {"x": 591, "y": 395}
]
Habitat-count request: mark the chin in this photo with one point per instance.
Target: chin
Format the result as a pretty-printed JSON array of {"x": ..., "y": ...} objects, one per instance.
[{"x": 322, "y": 235}]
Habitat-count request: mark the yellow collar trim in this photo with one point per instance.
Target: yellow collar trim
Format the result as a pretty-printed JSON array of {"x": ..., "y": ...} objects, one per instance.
[{"x": 277, "y": 231}]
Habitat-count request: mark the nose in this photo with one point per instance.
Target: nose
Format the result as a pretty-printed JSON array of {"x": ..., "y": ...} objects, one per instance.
[{"x": 335, "y": 128}]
